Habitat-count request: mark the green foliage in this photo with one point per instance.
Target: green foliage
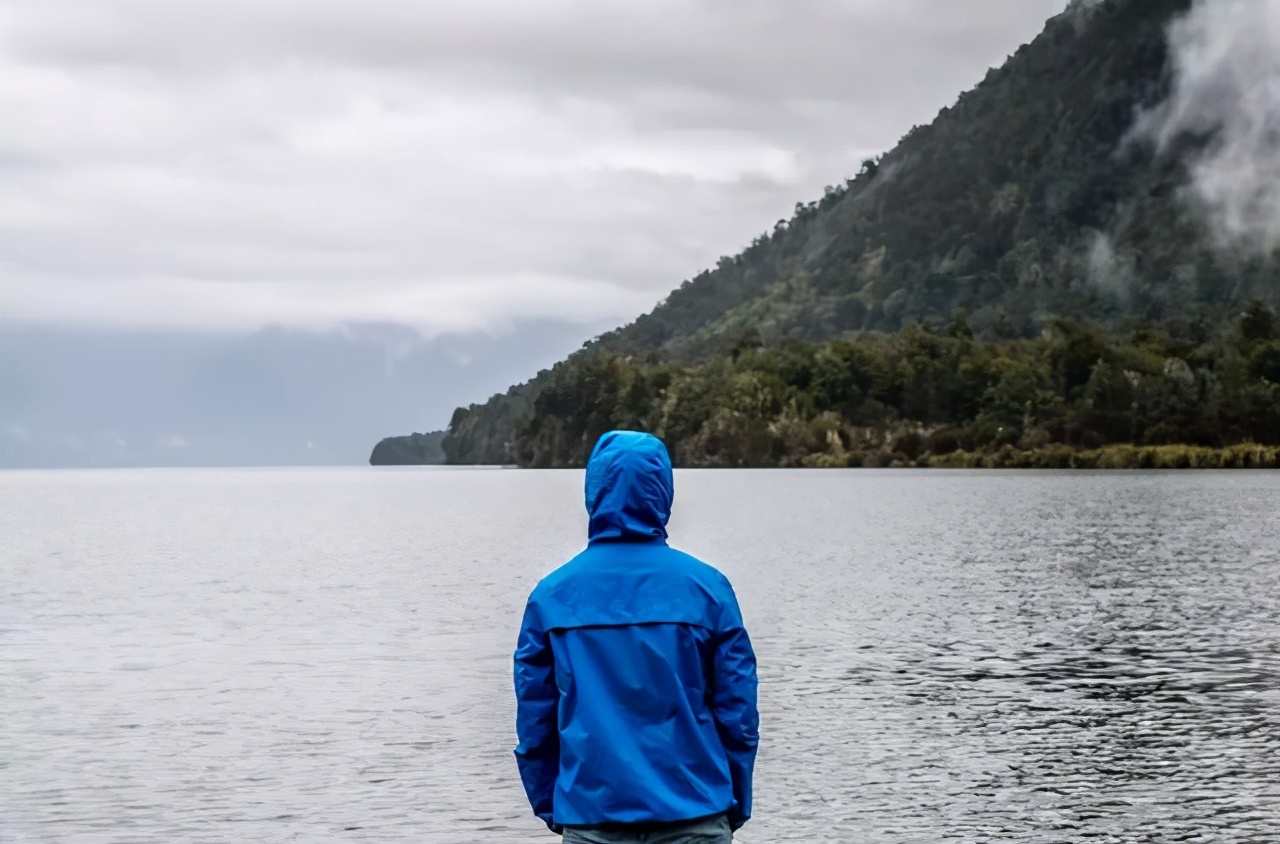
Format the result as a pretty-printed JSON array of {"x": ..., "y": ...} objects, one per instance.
[
  {"x": 912, "y": 398},
  {"x": 1257, "y": 324},
  {"x": 483, "y": 434}
]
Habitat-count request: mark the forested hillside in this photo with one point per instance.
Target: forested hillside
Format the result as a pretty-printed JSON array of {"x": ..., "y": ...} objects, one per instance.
[
  {"x": 1023, "y": 272},
  {"x": 883, "y": 399}
]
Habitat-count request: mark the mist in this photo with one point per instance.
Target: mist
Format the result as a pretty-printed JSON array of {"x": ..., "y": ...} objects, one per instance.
[
  {"x": 1225, "y": 57},
  {"x": 279, "y": 396}
]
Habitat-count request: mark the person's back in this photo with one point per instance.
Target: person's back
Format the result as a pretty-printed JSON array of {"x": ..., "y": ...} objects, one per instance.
[{"x": 634, "y": 675}]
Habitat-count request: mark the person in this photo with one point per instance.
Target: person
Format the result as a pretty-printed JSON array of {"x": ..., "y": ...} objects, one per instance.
[{"x": 635, "y": 679}]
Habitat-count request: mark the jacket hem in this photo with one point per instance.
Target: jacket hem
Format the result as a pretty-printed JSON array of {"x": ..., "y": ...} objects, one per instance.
[{"x": 645, "y": 826}]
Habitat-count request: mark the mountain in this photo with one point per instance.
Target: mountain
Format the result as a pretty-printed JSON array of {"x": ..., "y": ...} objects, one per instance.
[{"x": 1052, "y": 223}]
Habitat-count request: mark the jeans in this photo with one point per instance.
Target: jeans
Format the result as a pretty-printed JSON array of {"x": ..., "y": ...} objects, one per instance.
[{"x": 710, "y": 831}]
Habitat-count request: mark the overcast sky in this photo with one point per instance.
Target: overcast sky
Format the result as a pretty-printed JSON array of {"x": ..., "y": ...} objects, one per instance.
[{"x": 452, "y": 166}]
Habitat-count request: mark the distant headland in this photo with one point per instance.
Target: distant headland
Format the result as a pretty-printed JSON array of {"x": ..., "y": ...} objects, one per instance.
[{"x": 411, "y": 450}]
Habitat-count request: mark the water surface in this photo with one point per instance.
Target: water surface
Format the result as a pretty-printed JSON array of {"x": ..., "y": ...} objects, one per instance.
[{"x": 324, "y": 655}]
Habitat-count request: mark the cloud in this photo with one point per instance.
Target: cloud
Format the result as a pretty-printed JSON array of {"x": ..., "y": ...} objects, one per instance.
[
  {"x": 448, "y": 165},
  {"x": 1226, "y": 64}
]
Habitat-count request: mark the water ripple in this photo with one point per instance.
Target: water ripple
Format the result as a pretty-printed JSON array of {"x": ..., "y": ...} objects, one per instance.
[{"x": 270, "y": 656}]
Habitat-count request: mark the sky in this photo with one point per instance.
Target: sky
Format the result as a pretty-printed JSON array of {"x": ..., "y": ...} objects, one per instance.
[
  {"x": 448, "y": 165},
  {"x": 478, "y": 180}
]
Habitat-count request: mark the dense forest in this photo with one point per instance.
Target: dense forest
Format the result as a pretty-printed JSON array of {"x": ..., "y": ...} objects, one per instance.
[
  {"x": 1023, "y": 275},
  {"x": 921, "y": 394}
]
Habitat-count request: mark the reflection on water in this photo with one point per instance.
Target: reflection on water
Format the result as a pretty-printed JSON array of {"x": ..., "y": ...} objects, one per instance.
[{"x": 311, "y": 655}]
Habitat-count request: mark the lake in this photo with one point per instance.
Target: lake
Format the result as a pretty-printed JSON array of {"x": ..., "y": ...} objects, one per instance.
[{"x": 266, "y": 655}]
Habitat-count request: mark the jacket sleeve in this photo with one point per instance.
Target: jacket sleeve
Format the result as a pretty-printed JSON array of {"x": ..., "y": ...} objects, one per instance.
[
  {"x": 538, "y": 751},
  {"x": 734, "y": 706}
]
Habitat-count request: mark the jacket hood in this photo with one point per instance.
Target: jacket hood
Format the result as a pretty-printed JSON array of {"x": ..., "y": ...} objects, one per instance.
[{"x": 629, "y": 488}]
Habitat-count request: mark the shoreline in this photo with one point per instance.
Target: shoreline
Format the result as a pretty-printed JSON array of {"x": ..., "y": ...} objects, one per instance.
[
  {"x": 1119, "y": 456},
  {"x": 1243, "y": 456}
]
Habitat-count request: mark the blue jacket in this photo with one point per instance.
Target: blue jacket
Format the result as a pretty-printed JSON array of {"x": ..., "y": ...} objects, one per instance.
[{"x": 635, "y": 679}]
